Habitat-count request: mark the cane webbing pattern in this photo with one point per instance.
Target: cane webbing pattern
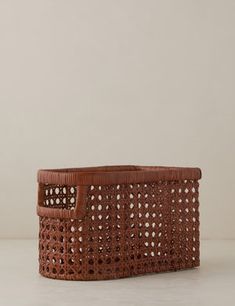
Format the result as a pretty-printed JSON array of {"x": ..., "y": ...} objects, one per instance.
[
  {"x": 127, "y": 229},
  {"x": 56, "y": 196}
]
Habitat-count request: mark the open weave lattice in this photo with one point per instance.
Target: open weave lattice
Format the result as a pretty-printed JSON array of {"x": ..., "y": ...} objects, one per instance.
[{"x": 93, "y": 228}]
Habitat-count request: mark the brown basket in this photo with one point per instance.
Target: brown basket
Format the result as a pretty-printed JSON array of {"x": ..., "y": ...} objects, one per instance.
[{"x": 117, "y": 221}]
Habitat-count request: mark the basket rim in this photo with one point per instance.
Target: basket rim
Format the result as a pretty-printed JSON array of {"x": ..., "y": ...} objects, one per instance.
[{"x": 116, "y": 174}]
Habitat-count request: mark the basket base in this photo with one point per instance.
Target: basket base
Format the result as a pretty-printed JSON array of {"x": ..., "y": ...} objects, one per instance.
[{"x": 125, "y": 274}]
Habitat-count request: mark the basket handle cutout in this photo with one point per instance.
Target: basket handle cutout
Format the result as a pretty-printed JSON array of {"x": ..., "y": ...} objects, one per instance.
[{"x": 78, "y": 211}]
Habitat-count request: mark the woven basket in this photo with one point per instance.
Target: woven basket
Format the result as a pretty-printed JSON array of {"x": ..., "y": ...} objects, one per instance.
[{"x": 117, "y": 221}]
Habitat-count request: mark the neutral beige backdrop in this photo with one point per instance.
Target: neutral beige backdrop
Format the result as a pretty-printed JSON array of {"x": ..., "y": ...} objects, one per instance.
[{"x": 116, "y": 82}]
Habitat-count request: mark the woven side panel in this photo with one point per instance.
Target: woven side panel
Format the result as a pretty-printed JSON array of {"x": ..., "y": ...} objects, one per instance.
[{"x": 128, "y": 229}]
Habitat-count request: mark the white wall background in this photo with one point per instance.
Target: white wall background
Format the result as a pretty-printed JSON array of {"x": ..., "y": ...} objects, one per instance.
[{"x": 116, "y": 82}]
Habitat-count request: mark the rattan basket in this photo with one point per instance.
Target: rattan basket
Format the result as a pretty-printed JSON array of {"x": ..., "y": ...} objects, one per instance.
[{"x": 117, "y": 221}]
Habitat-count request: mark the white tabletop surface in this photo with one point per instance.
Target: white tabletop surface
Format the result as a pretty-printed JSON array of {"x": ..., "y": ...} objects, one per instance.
[{"x": 211, "y": 284}]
